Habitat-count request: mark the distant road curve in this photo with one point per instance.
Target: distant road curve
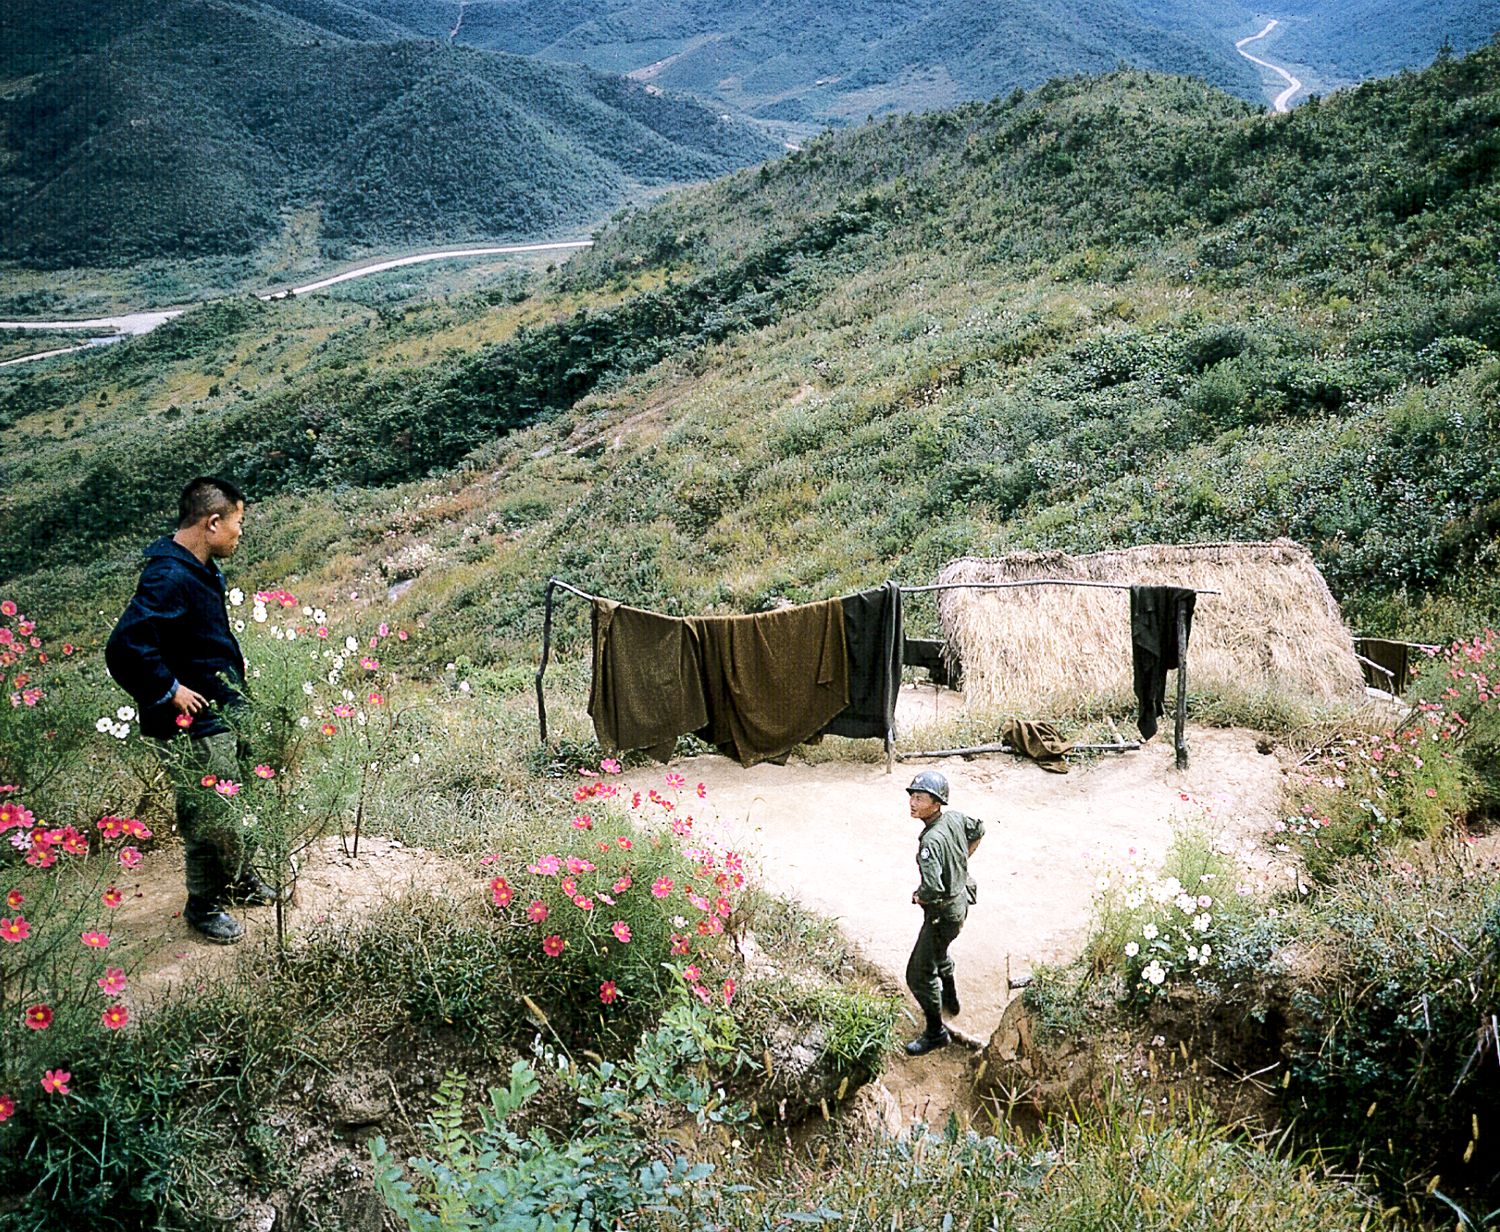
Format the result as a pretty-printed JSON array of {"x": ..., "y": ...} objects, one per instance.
[
  {"x": 1292, "y": 86},
  {"x": 135, "y": 323}
]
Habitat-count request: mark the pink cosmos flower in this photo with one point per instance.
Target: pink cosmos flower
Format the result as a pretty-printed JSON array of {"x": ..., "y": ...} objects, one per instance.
[
  {"x": 501, "y": 892},
  {"x": 129, "y": 857},
  {"x": 583, "y": 903},
  {"x": 583, "y": 822},
  {"x": 343, "y": 711},
  {"x": 264, "y": 772},
  {"x": 605, "y": 898},
  {"x": 610, "y": 766},
  {"x": 38, "y": 1017},
  {"x": 577, "y": 864},
  {"x": 702, "y": 994},
  {"x": 728, "y": 991},
  {"x": 682, "y": 826},
  {"x": 702, "y": 790},
  {"x": 537, "y": 912},
  {"x": 227, "y": 787},
  {"x": 323, "y": 631},
  {"x": 621, "y": 931},
  {"x": 369, "y": 664},
  {"x": 661, "y": 887},
  {"x": 14, "y": 899},
  {"x": 95, "y": 940},
  {"x": 184, "y": 721},
  {"x": 208, "y": 780},
  {"x": 624, "y": 843},
  {"x": 402, "y": 635},
  {"x": 553, "y": 945},
  {"x": 115, "y": 1017},
  {"x": 329, "y": 729},
  {"x": 14, "y": 816},
  {"x": 112, "y": 897},
  {"x": 7, "y": 1108},
  {"x": 384, "y": 630},
  {"x": 55, "y": 1082},
  {"x": 675, "y": 780},
  {"x": 691, "y": 972},
  {"x": 681, "y": 944},
  {"x": 568, "y": 886},
  {"x": 112, "y": 981},
  {"x": 7, "y": 608},
  {"x": 621, "y": 885},
  {"x": 15, "y": 930},
  {"x": 547, "y": 866},
  {"x": 608, "y": 992}
]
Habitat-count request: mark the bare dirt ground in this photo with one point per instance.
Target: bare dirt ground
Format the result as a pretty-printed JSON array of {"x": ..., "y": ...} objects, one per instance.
[{"x": 838, "y": 838}]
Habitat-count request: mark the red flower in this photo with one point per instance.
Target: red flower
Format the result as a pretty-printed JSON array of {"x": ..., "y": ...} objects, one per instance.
[
  {"x": 621, "y": 931},
  {"x": 608, "y": 992},
  {"x": 112, "y": 827},
  {"x": 702, "y": 791},
  {"x": 56, "y": 1081},
  {"x": 115, "y": 1017},
  {"x": 681, "y": 944},
  {"x": 14, "y": 816},
  {"x": 112, "y": 897},
  {"x": 537, "y": 912},
  {"x": 553, "y": 945},
  {"x": 38, "y": 1017},
  {"x": 95, "y": 940},
  {"x": 112, "y": 981},
  {"x": 625, "y": 843},
  {"x": 208, "y": 780},
  {"x": 721, "y": 905},
  {"x": 376, "y": 699},
  {"x": 129, "y": 857},
  {"x": 728, "y": 991},
  {"x": 7, "y": 1108},
  {"x": 74, "y": 843},
  {"x": 15, "y": 930},
  {"x": 501, "y": 892},
  {"x": 14, "y": 899},
  {"x": 184, "y": 721},
  {"x": 330, "y": 729}
]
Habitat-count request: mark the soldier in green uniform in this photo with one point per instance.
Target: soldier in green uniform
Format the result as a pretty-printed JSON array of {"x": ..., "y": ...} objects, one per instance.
[{"x": 948, "y": 840}]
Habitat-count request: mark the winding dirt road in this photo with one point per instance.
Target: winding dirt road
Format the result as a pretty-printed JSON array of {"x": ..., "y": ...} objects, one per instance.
[
  {"x": 135, "y": 323},
  {"x": 1293, "y": 84}
]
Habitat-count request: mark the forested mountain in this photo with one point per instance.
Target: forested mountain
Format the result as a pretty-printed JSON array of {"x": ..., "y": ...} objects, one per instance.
[
  {"x": 1114, "y": 310},
  {"x": 841, "y": 61},
  {"x": 187, "y": 127}
]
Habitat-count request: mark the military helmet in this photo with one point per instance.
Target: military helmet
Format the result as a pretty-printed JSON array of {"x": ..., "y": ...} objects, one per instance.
[{"x": 933, "y": 783}]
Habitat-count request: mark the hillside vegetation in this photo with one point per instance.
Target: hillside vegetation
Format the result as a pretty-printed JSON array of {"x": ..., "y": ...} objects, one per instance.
[
  {"x": 1114, "y": 310},
  {"x": 183, "y": 130}
]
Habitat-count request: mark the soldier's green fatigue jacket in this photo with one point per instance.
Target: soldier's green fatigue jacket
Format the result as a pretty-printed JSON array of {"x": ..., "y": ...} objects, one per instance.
[{"x": 943, "y": 862}]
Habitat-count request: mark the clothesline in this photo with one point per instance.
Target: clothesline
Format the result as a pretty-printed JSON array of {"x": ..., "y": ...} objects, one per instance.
[{"x": 555, "y": 583}]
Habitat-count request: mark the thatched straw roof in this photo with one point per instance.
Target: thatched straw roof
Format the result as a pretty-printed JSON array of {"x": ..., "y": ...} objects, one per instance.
[{"x": 1274, "y": 629}]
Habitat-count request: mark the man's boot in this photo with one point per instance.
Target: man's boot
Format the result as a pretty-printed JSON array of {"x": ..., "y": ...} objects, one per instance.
[
  {"x": 950, "y": 997},
  {"x": 250, "y": 891},
  {"x": 936, "y": 1036},
  {"x": 205, "y": 916}
]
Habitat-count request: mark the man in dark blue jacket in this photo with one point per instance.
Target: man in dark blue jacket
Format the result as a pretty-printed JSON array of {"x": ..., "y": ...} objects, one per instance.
[{"x": 173, "y": 651}]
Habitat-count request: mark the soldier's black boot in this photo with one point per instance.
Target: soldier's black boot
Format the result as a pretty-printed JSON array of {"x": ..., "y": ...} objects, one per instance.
[
  {"x": 936, "y": 1036},
  {"x": 950, "y": 997},
  {"x": 251, "y": 891},
  {"x": 205, "y": 916}
]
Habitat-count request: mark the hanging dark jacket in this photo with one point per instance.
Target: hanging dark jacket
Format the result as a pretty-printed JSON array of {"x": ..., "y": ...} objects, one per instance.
[
  {"x": 175, "y": 631},
  {"x": 1153, "y": 646}
]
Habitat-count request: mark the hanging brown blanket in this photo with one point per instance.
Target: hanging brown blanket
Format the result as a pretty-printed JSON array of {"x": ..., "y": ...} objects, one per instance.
[
  {"x": 648, "y": 679},
  {"x": 1039, "y": 741}
]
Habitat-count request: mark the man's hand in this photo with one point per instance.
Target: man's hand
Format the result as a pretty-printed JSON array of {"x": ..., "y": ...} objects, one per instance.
[{"x": 188, "y": 701}]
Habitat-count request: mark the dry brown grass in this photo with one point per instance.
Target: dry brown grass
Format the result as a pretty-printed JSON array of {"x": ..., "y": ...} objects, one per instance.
[{"x": 1274, "y": 629}]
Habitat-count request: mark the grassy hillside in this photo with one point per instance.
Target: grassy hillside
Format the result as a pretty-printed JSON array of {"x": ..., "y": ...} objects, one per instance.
[
  {"x": 184, "y": 130},
  {"x": 1114, "y": 310},
  {"x": 1347, "y": 42}
]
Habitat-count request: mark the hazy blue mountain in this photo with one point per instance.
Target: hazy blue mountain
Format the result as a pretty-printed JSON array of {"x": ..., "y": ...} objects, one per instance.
[{"x": 191, "y": 127}]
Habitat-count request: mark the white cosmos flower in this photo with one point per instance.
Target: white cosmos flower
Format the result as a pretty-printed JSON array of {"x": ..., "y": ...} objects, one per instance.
[
  {"x": 1134, "y": 899},
  {"x": 307, "y": 687},
  {"x": 103, "y": 724},
  {"x": 1201, "y": 922},
  {"x": 120, "y": 730},
  {"x": 307, "y": 611},
  {"x": 239, "y": 626},
  {"x": 1149, "y": 932},
  {"x": 1154, "y": 972},
  {"x": 320, "y": 616},
  {"x": 125, "y": 714},
  {"x": 463, "y": 686},
  {"x": 304, "y": 721},
  {"x": 1131, "y": 949},
  {"x": 360, "y": 718},
  {"x": 416, "y": 759},
  {"x": 236, "y": 597},
  {"x": 1192, "y": 953},
  {"x": 259, "y": 614},
  {"x": 348, "y": 695},
  {"x": 351, "y": 645},
  {"x": 291, "y": 635},
  {"x": 1186, "y": 903}
]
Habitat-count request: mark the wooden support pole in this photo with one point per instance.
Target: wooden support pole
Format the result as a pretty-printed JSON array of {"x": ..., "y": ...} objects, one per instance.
[
  {"x": 1182, "y": 644},
  {"x": 541, "y": 702},
  {"x": 1124, "y": 746}
]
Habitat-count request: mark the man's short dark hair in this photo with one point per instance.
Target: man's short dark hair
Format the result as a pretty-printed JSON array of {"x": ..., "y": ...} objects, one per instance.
[{"x": 205, "y": 496}]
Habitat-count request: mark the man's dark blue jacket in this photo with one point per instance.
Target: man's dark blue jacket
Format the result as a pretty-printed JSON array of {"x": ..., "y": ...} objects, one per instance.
[{"x": 176, "y": 631}]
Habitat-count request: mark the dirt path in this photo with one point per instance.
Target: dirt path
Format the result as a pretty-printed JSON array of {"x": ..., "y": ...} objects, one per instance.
[{"x": 838, "y": 838}]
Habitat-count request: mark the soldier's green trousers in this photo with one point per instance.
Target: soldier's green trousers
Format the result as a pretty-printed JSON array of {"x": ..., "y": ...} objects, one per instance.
[
  {"x": 929, "y": 963},
  {"x": 214, "y": 850}
]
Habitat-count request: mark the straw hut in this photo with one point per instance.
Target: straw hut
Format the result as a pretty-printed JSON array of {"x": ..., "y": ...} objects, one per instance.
[{"x": 1274, "y": 630}]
